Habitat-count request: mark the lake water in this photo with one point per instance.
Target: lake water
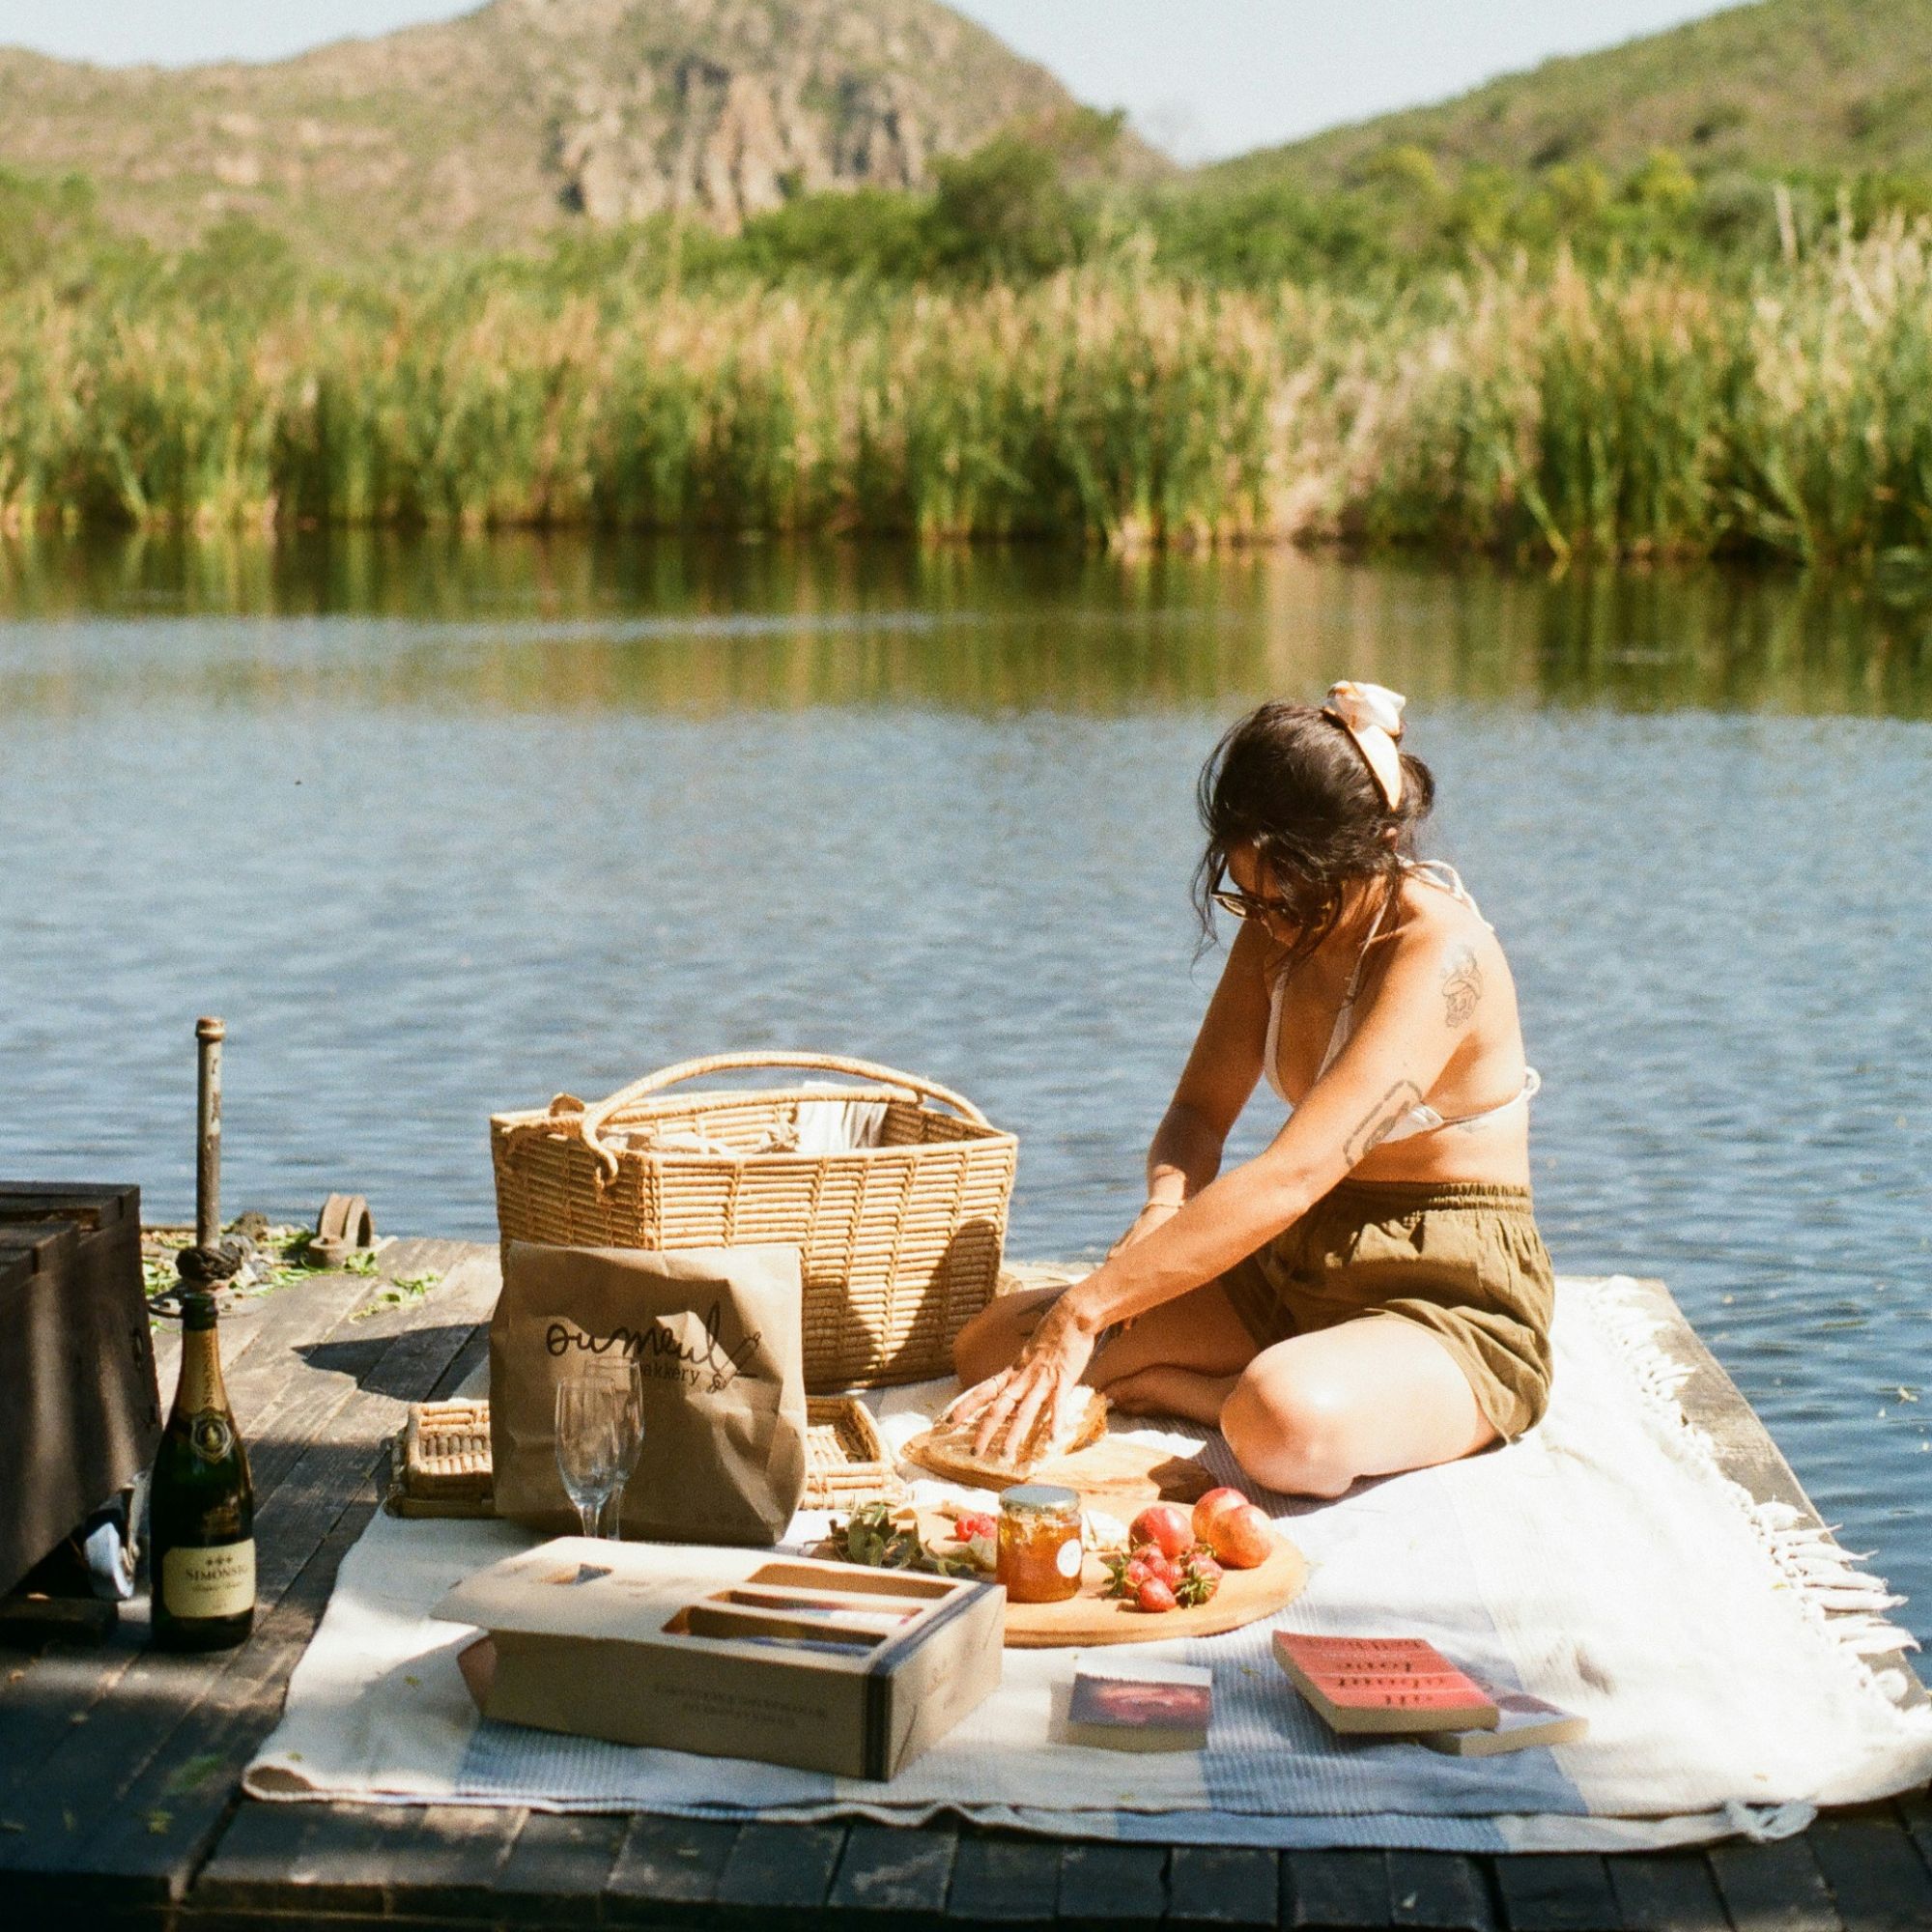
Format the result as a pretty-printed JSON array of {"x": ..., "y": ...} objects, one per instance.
[{"x": 442, "y": 828}]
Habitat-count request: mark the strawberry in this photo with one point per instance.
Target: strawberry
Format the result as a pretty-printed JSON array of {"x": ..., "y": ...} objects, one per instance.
[
  {"x": 1155, "y": 1596},
  {"x": 1200, "y": 1577}
]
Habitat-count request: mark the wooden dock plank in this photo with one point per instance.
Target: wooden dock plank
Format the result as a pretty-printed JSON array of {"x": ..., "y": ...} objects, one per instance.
[
  {"x": 893, "y": 1874},
  {"x": 1000, "y": 1880},
  {"x": 781, "y": 1867},
  {"x": 665, "y": 1866},
  {"x": 1438, "y": 1892},
  {"x": 1877, "y": 1879},
  {"x": 1915, "y": 1812},
  {"x": 449, "y": 1864},
  {"x": 1327, "y": 1891},
  {"x": 148, "y": 1831},
  {"x": 1112, "y": 1885},
  {"x": 558, "y": 1866},
  {"x": 1668, "y": 1892},
  {"x": 1774, "y": 1887},
  {"x": 1223, "y": 1885},
  {"x": 1552, "y": 1891},
  {"x": 311, "y": 1859}
]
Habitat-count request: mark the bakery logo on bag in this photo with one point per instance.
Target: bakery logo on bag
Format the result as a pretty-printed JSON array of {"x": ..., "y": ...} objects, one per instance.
[{"x": 661, "y": 1354}]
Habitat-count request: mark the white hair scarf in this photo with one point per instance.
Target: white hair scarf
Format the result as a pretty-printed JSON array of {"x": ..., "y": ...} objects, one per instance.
[{"x": 1371, "y": 715}]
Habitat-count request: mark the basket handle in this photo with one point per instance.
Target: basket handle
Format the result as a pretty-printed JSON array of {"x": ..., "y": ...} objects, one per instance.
[
  {"x": 810, "y": 1062},
  {"x": 588, "y": 1121}
]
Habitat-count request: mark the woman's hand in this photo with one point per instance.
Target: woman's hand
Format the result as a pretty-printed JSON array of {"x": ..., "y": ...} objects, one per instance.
[
  {"x": 1155, "y": 1214},
  {"x": 1026, "y": 1401}
]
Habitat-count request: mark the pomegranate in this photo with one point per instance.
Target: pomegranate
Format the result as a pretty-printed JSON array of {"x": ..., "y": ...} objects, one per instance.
[
  {"x": 1212, "y": 1507},
  {"x": 1243, "y": 1539},
  {"x": 1164, "y": 1526}
]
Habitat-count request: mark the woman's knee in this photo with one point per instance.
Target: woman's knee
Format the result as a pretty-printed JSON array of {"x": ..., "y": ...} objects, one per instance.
[{"x": 1291, "y": 1434}]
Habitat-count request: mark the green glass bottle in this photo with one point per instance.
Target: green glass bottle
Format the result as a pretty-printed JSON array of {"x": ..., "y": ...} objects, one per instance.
[{"x": 202, "y": 1504}]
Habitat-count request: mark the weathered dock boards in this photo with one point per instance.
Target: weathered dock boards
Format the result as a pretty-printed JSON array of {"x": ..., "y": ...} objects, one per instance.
[{"x": 119, "y": 1766}]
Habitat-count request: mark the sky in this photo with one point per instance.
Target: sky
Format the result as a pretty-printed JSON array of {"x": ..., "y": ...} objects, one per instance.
[{"x": 1201, "y": 79}]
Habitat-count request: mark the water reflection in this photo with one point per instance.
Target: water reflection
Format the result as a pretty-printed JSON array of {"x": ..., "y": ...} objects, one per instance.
[
  {"x": 444, "y": 827},
  {"x": 549, "y": 624}
]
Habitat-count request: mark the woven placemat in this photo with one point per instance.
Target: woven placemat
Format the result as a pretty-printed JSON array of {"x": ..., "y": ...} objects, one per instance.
[
  {"x": 439, "y": 1464},
  {"x": 846, "y": 1461}
]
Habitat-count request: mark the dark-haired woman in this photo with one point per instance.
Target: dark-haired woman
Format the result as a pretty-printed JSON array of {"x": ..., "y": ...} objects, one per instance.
[{"x": 1370, "y": 1293}]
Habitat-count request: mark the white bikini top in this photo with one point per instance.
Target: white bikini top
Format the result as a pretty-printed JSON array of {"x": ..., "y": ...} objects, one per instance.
[{"x": 1421, "y": 1119}]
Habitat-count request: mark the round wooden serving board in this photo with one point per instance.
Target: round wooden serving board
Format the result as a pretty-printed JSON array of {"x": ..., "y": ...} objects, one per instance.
[
  {"x": 1115, "y": 1473},
  {"x": 1090, "y": 1618}
]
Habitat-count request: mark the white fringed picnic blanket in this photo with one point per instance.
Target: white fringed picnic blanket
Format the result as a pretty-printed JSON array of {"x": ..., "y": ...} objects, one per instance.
[{"x": 1719, "y": 1647}]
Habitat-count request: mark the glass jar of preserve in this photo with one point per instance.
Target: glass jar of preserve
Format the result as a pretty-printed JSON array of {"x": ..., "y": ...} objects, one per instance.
[{"x": 1040, "y": 1554}]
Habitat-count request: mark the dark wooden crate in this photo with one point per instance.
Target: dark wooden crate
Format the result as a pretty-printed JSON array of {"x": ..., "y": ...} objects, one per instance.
[{"x": 83, "y": 1413}]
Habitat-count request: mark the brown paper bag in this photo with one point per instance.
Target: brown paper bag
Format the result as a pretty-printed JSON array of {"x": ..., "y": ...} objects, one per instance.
[{"x": 715, "y": 1333}]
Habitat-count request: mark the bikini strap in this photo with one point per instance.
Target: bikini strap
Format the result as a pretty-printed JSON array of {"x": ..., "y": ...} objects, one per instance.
[
  {"x": 1362, "y": 960},
  {"x": 1442, "y": 875}
]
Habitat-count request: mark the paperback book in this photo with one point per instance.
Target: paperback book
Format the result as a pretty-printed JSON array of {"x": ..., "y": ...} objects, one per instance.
[
  {"x": 1389, "y": 1686},
  {"x": 1525, "y": 1722},
  {"x": 1143, "y": 1706}
]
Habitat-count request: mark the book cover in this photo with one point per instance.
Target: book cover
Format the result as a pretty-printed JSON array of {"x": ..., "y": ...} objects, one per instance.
[
  {"x": 1140, "y": 1706},
  {"x": 1526, "y": 1720},
  {"x": 1391, "y": 1686}
]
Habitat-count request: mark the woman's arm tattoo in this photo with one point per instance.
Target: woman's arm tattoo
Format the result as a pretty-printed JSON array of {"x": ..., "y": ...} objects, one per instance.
[
  {"x": 1462, "y": 988},
  {"x": 1381, "y": 1120}
]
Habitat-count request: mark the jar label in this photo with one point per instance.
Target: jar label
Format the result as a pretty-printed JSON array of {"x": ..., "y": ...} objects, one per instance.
[
  {"x": 210, "y": 1582},
  {"x": 1068, "y": 1562}
]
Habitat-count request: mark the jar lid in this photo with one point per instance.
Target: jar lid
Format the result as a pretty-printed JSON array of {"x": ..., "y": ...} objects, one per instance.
[{"x": 1039, "y": 1496}]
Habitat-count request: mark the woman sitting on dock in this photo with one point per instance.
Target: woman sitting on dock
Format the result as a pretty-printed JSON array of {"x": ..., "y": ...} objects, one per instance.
[{"x": 1370, "y": 1293}]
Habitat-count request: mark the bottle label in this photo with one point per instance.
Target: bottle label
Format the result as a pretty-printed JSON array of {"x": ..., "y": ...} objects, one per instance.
[
  {"x": 212, "y": 1435},
  {"x": 210, "y": 1582},
  {"x": 1068, "y": 1562}
]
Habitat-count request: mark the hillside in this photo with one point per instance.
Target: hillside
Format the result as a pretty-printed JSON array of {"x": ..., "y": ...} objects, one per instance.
[
  {"x": 1778, "y": 85},
  {"x": 490, "y": 128}
]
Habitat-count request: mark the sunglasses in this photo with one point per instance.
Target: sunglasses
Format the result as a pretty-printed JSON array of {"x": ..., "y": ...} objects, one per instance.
[
  {"x": 1247, "y": 905},
  {"x": 1243, "y": 907}
]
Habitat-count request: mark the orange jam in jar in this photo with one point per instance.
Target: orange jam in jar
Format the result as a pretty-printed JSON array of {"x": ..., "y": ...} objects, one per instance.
[{"x": 1039, "y": 1543}]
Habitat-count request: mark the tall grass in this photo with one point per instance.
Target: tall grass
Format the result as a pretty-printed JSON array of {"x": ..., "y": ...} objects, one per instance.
[{"x": 1545, "y": 412}]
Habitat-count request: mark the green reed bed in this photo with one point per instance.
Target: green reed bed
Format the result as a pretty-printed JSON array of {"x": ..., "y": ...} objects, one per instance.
[{"x": 1535, "y": 413}]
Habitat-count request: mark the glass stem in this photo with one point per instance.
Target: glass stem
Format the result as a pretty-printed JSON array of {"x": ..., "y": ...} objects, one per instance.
[
  {"x": 587, "y": 1514},
  {"x": 616, "y": 1515}
]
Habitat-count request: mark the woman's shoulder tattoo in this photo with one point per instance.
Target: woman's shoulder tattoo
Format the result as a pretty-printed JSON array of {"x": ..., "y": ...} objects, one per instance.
[{"x": 1462, "y": 988}]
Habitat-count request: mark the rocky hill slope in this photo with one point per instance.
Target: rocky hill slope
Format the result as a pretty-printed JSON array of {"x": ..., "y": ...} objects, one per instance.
[
  {"x": 491, "y": 128},
  {"x": 1780, "y": 85}
]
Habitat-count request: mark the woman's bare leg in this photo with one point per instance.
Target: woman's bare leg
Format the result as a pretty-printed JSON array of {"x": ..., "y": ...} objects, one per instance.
[
  {"x": 1367, "y": 1398},
  {"x": 1160, "y": 1390}
]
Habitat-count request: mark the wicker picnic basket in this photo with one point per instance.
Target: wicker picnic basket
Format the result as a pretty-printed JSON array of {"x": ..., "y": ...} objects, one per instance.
[{"x": 900, "y": 1242}]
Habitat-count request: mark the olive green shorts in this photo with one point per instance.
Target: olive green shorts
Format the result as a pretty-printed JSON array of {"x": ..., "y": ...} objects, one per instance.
[{"x": 1462, "y": 1258}]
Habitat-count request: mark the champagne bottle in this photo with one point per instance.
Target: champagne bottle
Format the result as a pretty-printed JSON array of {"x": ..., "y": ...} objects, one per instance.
[{"x": 202, "y": 1504}]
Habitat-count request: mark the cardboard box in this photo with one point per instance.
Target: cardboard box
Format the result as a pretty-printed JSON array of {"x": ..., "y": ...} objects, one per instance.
[{"x": 732, "y": 1653}]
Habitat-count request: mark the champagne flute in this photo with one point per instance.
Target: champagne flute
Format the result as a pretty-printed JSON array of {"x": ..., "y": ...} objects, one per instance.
[
  {"x": 588, "y": 1446},
  {"x": 630, "y": 1431}
]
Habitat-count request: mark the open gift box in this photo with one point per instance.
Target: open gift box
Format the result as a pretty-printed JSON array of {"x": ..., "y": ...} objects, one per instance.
[{"x": 732, "y": 1653}]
